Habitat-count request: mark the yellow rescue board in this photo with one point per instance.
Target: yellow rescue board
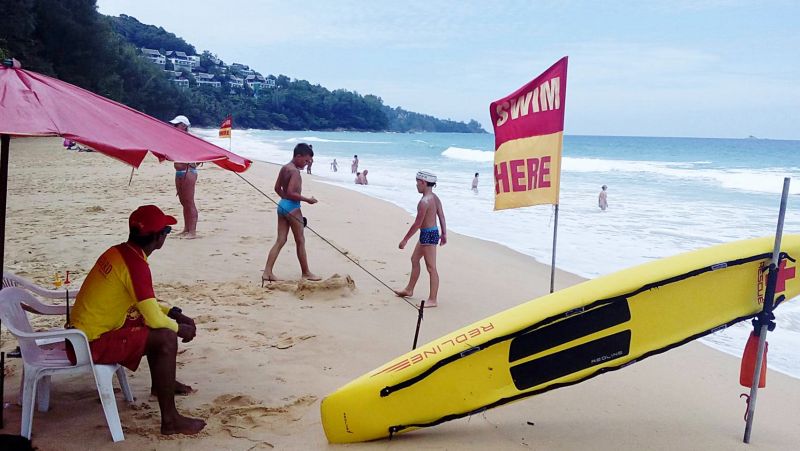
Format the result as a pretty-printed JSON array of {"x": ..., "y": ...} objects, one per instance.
[{"x": 561, "y": 339}]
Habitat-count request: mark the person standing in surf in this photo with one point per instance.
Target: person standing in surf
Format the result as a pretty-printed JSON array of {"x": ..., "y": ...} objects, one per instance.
[
  {"x": 602, "y": 200},
  {"x": 429, "y": 209},
  {"x": 289, "y": 186}
]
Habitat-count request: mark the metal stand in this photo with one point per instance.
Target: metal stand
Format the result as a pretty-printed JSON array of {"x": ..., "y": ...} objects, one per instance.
[
  {"x": 419, "y": 323},
  {"x": 769, "y": 299}
]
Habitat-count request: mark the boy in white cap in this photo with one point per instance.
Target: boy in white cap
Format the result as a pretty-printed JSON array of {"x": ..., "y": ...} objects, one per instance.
[{"x": 429, "y": 209}]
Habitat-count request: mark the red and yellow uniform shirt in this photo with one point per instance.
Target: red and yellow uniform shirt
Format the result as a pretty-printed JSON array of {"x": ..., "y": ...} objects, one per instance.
[{"x": 119, "y": 286}]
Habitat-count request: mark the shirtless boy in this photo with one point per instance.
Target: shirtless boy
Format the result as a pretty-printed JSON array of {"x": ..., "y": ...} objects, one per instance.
[
  {"x": 289, "y": 186},
  {"x": 429, "y": 209}
]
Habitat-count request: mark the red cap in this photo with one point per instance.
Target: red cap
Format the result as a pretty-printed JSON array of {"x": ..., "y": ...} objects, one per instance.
[{"x": 150, "y": 219}]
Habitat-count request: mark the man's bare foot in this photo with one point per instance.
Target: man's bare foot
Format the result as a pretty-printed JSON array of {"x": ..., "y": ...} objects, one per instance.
[
  {"x": 429, "y": 303},
  {"x": 180, "y": 389},
  {"x": 269, "y": 277},
  {"x": 404, "y": 293},
  {"x": 182, "y": 425},
  {"x": 310, "y": 276}
]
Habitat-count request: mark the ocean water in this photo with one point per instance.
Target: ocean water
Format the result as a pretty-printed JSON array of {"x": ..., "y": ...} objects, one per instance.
[{"x": 665, "y": 196}]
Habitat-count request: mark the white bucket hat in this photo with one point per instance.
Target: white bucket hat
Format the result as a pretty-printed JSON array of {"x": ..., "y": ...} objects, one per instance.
[
  {"x": 180, "y": 119},
  {"x": 426, "y": 176}
]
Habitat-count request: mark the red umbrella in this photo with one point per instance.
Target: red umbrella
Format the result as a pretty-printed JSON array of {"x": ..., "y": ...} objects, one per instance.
[{"x": 32, "y": 104}]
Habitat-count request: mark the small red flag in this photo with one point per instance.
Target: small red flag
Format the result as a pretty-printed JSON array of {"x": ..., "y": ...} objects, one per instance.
[{"x": 225, "y": 127}]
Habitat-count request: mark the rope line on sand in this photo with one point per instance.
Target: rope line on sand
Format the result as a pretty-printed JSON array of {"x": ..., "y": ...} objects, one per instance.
[{"x": 329, "y": 243}]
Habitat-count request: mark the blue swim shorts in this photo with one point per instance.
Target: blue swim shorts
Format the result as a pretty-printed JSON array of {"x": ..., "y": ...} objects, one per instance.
[
  {"x": 429, "y": 236},
  {"x": 286, "y": 206}
]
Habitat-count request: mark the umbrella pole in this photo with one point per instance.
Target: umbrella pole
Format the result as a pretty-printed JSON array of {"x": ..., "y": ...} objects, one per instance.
[{"x": 5, "y": 141}]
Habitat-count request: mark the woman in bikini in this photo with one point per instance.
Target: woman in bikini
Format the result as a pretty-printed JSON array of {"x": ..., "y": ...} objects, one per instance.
[{"x": 185, "y": 181}]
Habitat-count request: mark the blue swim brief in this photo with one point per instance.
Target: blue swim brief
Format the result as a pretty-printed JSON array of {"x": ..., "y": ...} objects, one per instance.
[
  {"x": 286, "y": 206},
  {"x": 182, "y": 172},
  {"x": 429, "y": 236}
]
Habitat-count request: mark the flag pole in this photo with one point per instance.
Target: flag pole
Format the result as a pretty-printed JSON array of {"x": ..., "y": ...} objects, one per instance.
[
  {"x": 553, "y": 261},
  {"x": 769, "y": 299}
]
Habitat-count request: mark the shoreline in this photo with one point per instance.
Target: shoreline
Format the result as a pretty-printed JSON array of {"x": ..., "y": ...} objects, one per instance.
[
  {"x": 709, "y": 341},
  {"x": 265, "y": 357}
]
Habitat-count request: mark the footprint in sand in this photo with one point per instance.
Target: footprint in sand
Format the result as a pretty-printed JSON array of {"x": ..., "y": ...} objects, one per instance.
[
  {"x": 288, "y": 342},
  {"x": 245, "y": 417},
  {"x": 203, "y": 319},
  {"x": 330, "y": 288}
]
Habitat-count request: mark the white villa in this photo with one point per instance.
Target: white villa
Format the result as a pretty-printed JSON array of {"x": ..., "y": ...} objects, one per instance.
[
  {"x": 235, "y": 81},
  {"x": 207, "y": 80},
  {"x": 180, "y": 60},
  {"x": 154, "y": 56},
  {"x": 181, "y": 63},
  {"x": 255, "y": 82}
]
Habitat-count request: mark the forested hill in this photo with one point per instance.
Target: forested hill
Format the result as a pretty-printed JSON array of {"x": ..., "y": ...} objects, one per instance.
[
  {"x": 149, "y": 36},
  {"x": 70, "y": 40}
]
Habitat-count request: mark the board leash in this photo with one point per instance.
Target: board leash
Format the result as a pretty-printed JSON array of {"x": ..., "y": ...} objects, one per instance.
[{"x": 337, "y": 250}]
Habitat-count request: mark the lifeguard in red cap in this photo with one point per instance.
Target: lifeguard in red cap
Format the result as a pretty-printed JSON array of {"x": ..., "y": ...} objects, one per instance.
[{"x": 119, "y": 313}]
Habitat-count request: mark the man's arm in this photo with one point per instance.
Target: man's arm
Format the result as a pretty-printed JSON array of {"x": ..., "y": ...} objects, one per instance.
[
  {"x": 422, "y": 207},
  {"x": 293, "y": 189},
  {"x": 442, "y": 224},
  {"x": 138, "y": 282},
  {"x": 278, "y": 184}
]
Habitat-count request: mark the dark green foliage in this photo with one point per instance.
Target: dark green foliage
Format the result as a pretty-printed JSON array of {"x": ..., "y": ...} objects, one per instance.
[
  {"x": 149, "y": 36},
  {"x": 69, "y": 40},
  {"x": 16, "y": 30},
  {"x": 401, "y": 120}
]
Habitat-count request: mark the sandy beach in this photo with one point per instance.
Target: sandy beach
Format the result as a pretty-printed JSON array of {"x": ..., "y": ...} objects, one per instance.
[{"x": 264, "y": 358}]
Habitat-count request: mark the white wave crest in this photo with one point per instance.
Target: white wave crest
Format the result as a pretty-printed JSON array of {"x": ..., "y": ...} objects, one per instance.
[
  {"x": 459, "y": 153},
  {"x": 315, "y": 139},
  {"x": 767, "y": 180}
]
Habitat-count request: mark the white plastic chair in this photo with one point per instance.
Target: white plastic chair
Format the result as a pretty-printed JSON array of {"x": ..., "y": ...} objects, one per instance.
[
  {"x": 36, "y": 306},
  {"x": 39, "y": 364}
]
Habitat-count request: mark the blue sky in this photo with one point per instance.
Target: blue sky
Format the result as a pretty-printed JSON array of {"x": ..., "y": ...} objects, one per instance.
[{"x": 715, "y": 68}]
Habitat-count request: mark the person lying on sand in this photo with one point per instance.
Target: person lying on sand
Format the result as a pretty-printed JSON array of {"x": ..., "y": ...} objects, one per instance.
[
  {"x": 429, "y": 209},
  {"x": 118, "y": 311}
]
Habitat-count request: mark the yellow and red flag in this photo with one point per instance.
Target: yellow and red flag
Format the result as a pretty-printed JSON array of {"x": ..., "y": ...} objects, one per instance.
[
  {"x": 225, "y": 127},
  {"x": 528, "y": 129}
]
